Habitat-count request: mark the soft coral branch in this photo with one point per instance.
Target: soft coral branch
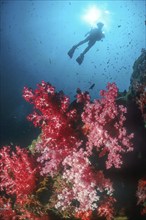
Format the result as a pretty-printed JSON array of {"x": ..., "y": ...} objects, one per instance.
[
  {"x": 87, "y": 184},
  {"x": 58, "y": 137},
  {"x": 141, "y": 194},
  {"x": 104, "y": 120},
  {"x": 17, "y": 173}
]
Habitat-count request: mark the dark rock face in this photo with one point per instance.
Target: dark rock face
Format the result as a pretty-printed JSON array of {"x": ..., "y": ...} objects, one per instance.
[{"x": 138, "y": 77}]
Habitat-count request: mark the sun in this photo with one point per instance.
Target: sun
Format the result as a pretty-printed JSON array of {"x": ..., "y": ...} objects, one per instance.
[{"x": 92, "y": 15}]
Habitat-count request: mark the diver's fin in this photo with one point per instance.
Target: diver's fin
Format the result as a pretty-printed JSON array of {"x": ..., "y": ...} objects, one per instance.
[
  {"x": 80, "y": 59},
  {"x": 71, "y": 52}
]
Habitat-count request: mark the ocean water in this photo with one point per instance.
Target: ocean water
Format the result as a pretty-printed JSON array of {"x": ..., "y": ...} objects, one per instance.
[{"x": 35, "y": 37}]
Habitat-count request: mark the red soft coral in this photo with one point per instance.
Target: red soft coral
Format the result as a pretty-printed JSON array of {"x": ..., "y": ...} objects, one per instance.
[
  {"x": 84, "y": 215},
  {"x": 141, "y": 195},
  {"x": 64, "y": 148},
  {"x": 58, "y": 137},
  {"x": 106, "y": 208},
  {"x": 6, "y": 211},
  {"x": 17, "y": 173}
]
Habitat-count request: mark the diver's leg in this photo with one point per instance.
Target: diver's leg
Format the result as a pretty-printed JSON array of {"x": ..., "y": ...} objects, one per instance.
[
  {"x": 86, "y": 50},
  {"x": 81, "y": 57},
  {"x": 81, "y": 42},
  {"x": 72, "y": 50}
]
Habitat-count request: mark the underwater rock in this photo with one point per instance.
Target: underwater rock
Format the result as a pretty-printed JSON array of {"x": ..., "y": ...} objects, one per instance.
[
  {"x": 138, "y": 77},
  {"x": 137, "y": 88}
]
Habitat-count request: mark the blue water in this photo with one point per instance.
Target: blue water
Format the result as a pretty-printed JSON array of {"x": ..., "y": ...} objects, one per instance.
[{"x": 35, "y": 39}]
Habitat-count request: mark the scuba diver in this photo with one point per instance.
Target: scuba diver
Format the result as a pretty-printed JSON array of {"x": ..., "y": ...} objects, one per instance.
[{"x": 94, "y": 35}]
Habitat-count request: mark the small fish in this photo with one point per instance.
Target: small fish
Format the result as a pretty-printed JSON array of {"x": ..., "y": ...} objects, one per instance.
[
  {"x": 145, "y": 22},
  {"x": 50, "y": 61},
  {"x": 119, "y": 26},
  {"x": 92, "y": 86}
]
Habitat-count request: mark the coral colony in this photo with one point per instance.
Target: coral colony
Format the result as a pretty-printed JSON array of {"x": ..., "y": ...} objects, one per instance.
[
  {"x": 141, "y": 194},
  {"x": 61, "y": 170}
]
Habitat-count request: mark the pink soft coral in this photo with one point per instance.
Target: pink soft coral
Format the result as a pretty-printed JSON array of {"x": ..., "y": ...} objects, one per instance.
[
  {"x": 104, "y": 123},
  {"x": 87, "y": 184}
]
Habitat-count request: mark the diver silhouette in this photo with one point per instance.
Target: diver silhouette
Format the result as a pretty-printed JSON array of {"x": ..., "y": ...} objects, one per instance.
[{"x": 94, "y": 35}]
